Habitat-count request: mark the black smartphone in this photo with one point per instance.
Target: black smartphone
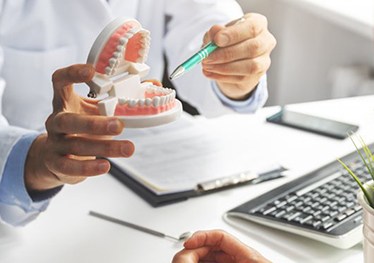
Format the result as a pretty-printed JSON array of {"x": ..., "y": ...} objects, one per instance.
[{"x": 306, "y": 122}]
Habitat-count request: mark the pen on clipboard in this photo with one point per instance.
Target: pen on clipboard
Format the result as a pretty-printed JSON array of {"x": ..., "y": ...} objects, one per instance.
[
  {"x": 241, "y": 178},
  {"x": 197, "y": 57}
]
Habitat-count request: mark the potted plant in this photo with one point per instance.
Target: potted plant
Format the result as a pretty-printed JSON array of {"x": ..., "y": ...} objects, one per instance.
[{"x": 365, "y": 197}]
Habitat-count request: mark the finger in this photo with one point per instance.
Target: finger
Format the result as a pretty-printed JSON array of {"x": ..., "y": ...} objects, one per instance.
[
  {"x": 69, "y": 170},
  {"x": 64, "y": 78},
  {"x": 190, "y": 256},
  {"x": 73, "y": 74},
  {"x": 209, "y": 36},
  {"x": 206, "y": 39},
  {"x": 246, "y": 67},
  {"x": 262, "y": 44},
  {"x": 219, "y": 239},
  {"x": 102, "y": 148},
  {"x": 74, "y": 123},
  {"x": 252, "y": 25}
]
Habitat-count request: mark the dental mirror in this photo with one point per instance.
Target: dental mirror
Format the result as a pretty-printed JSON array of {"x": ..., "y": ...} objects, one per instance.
[{"x": 181, "y": 237}]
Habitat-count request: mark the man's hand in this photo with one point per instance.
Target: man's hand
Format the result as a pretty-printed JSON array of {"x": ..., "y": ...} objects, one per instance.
[
  {"x": 216, "y": 246},
  {"x": 243, "y": 56},
  {"x": 76, "y": 135}
]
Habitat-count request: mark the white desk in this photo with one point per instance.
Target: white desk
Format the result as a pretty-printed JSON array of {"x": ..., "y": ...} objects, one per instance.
[{"x": 65, "y": 233}]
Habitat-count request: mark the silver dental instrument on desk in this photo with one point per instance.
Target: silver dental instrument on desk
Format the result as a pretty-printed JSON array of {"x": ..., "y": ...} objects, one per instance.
[{"x": 182, "y": 237}]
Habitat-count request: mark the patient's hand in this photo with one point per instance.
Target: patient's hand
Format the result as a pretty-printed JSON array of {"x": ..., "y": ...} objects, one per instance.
[{"x": 216, "y": 246}]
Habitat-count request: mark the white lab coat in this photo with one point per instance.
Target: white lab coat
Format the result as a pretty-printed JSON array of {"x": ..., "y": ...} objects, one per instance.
[{"x": 39, "y": 36}]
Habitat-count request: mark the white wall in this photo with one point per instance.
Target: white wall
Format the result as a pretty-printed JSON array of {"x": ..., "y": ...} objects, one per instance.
[{"x": 309, "y": 49}]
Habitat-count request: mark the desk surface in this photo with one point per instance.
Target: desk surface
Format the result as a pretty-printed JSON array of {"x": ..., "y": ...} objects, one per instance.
[{"x": 65, "y": 232}]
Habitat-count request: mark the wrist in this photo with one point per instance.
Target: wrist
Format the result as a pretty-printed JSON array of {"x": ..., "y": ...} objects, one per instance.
[
  {"x": 237, "y": 92},
  {"x": 36, "y": 174}
]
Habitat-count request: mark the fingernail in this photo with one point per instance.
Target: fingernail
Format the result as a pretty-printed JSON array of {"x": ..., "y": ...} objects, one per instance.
[
  {"x": 113, "y": 126},
  {"x": 127, "y": 149},
  {"x": 223, "y": 40},
  {"x": 103, "y": 166}
]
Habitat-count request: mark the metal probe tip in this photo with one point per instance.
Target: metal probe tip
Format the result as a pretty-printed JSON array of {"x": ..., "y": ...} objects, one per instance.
[{"x": 179, "y": 71}]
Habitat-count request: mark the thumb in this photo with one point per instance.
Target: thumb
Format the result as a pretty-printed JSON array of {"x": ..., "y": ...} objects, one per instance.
[{"x": 63, "y": 80}]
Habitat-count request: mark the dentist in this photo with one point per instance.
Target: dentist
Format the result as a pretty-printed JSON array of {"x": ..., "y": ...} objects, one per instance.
[{"x": 44, "y": 145}]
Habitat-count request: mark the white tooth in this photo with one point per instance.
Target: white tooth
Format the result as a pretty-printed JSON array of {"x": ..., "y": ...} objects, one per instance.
[
  {"x": 141, "y": 52},
  {"x": 108, "y": 70},
  {"x": 122, "y": 100},
  {"x": 162, "y": 100},
  {"x": 133, "y": 103},
  {"x": 112, "y": 61},
  {"x": 145, "y": 33},
  {"x": 156, "y": 101},
  {"x": 123, "y": 40},
  {"x": 148, "y": 102},
  {"x": 168, "y": 98},
  {"x": 116, "y": 54},
  {"x": 120, "y": 48},
  {"x": 146, "y": 41},
  {"x": 132, "y": 31},
  {"x": 141, "y": 102}
]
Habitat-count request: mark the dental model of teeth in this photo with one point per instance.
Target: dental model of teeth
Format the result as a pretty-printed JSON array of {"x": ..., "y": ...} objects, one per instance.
[{"x": 118, "y": 56}]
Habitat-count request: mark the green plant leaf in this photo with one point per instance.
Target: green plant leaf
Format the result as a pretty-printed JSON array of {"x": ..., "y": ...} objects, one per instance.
[
  {"x": 369, "y": 156},
  {"x": 364, "y": 190},
  {"x": 361, "y": 156}
]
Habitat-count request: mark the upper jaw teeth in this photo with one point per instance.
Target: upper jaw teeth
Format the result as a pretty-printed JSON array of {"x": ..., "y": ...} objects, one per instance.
[{"x": 143, "y": 51}]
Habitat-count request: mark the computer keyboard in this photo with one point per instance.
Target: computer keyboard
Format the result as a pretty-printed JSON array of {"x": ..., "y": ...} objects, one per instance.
[{"x": 321, "y": 205}]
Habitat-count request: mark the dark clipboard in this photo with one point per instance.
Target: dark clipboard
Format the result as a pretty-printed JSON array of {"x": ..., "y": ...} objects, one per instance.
[{"x": 156, "y": 200}]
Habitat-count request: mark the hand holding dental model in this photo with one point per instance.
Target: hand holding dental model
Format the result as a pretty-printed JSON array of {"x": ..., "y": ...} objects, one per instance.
[{"x": 76, "y": 132}]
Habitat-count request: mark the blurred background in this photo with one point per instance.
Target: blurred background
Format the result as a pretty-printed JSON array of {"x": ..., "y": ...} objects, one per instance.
[{"x": 325, "y": 48}]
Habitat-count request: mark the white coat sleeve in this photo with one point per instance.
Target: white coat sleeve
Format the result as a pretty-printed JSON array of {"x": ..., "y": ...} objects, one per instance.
[
  {"x": 189, "y": 20},
  {"x": 16, "y": 206}
]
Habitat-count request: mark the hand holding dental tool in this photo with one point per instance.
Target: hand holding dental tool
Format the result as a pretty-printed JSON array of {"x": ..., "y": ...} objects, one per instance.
[
  {"x": 241, "y": 59},
  {"x": 197, "y": 57}
]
